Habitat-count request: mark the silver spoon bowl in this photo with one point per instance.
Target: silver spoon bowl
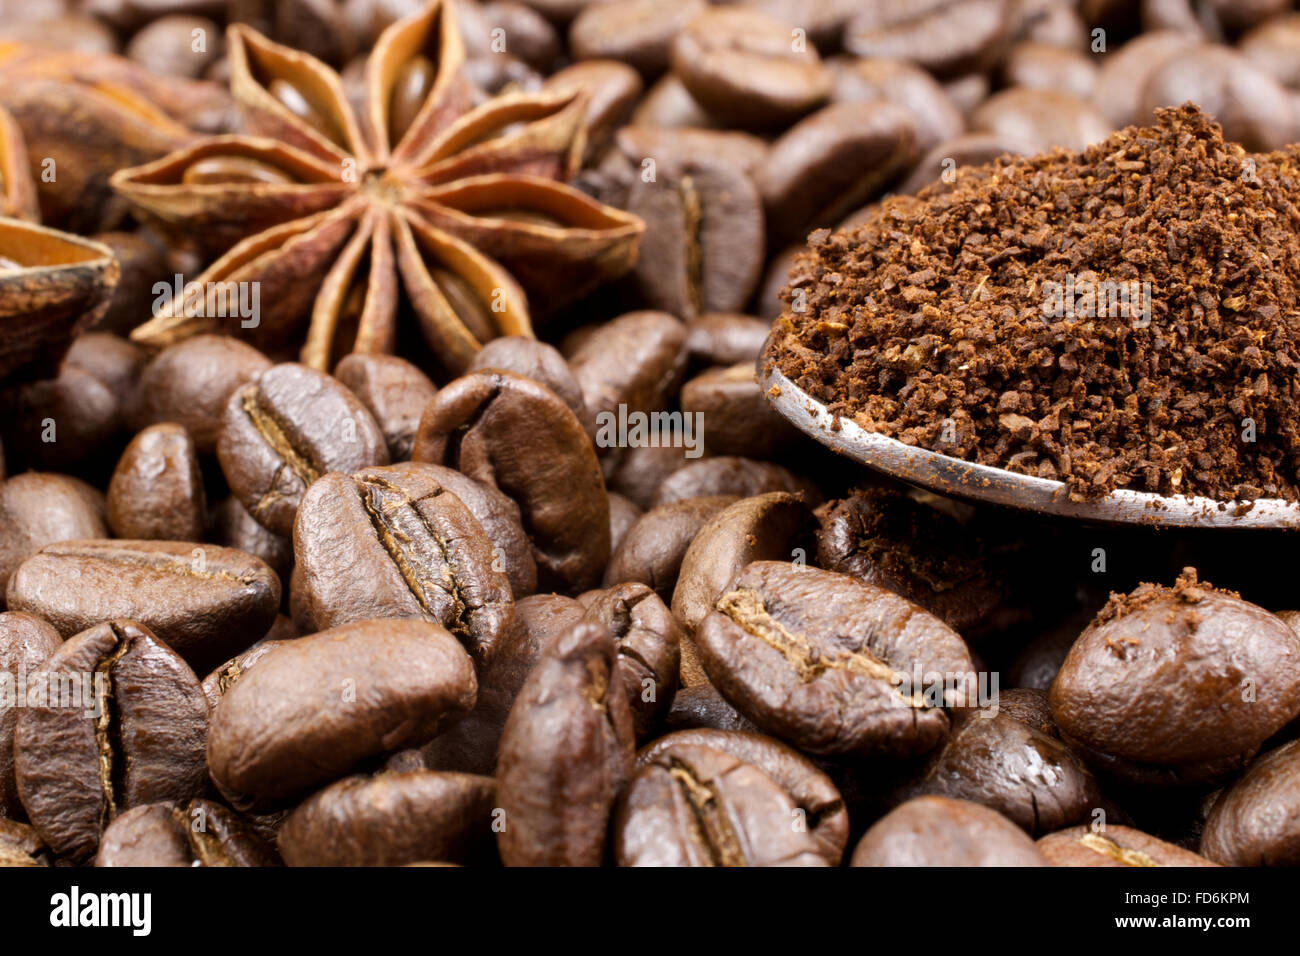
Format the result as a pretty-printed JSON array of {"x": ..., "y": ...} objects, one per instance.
[{"x": 964, "y": 479}]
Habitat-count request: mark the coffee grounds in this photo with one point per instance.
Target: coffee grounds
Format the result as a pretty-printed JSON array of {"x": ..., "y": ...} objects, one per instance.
[
  {"x": 1188, "y": 591},
  {"x": 929, "y": 321}
]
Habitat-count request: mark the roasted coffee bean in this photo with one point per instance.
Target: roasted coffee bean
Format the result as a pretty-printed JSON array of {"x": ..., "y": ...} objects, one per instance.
[
  {"x": 651, "y": 553},
  {"x": 1028, "y": 705},
  {"x": 1054, "y": 22},
  {"x": 726, "y": 475},
  {"x": 623, "y": 513},
  {"x": 725, "y": 338},
  {"x": 392, "y": 542},
  {"x": 191, "y": 382},
  {"x": 538, "y": 361},
  {"x": 234, "y": 527},
  {"x": 394, "y": 391},
  {"x": 774, "y": 526},
  {"x": 26, "y": 642},
  {"x": 692, "y": 805},
  {"x": 1030, "y": 778},
  {"x": 648, "y": 640},
  {"x": 1042, "y": 66},
  {"x": 65, "y": 424},
  {"x": 673, "y": 147},
  {"x": 1114, "y": 845},
  {"x": 566, "y": 752},
  {"x": 1045, "y": 118},
  {"x": 939, "y": 167},
  {"x": 637, "y": 472},
  {"x": 1178, "y": 676},
  {"x": 812, "y": 791},
  {"x": 156, "y": 492},
  {"x": 636, "y": 361},
  {"x": 111, "y": 360},
  {"x": 204, "y": 601},
  {"x": 748, "y": 69},
  {"x": 934, "y": 116},
  {"x": 1252, "y": 107},
  {"x": 832, "y": 162},
  {"x": 1122, "y": 76},
  {"x": 700, "y": 706},
  {"x": 471, "y": 744},
  {"x": 1274, "y": 47},
  {"x": 1040, "y": 660},
  {"x": 166, "y": 46},
  {"x": 20, "y": 845},
  {"x": 1256, "y": 822},
  {"x": 39, "y": 509},
  {"x": 882, "y": 536},
  {"x": 637, "y": 32},
  {"x": 705, "y": 236},
  {"x": 225, "y": 675},
  {"x": 611, "y": 90},
  {"x": 516, "y": 435},
  {"x": 737, "y": 419},
  {"x": 832, "y": 665},
  {"x": 195, "y": 833},
  {"x": 313, "y": 708},
  {"x": 947, "y": 37},
  {"x": 283, "y": 431},
  {"x": 133, "y": 734},
  {"x": 531, "y": 37},
  {"x": 669, "y": 104},
  {"x": 939, "y": 831},
  {"x": 393, "y": 819}
]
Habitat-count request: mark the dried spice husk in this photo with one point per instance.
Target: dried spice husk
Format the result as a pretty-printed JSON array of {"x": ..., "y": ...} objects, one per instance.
[
  {"x": 92, "y": 115},
  {"x": 52, "y": 286},
  {"x": 454, "y": 215},
  {"x": 17, "y": 191}
]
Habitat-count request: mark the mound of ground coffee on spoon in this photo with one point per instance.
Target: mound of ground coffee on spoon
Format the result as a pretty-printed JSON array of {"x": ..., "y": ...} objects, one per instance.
[{"x": 1124, "y": 317}]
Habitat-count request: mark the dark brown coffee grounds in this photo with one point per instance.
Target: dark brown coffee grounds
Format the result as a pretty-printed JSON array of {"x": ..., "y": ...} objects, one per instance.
[
  {"x": 1187, "y": 590},
  {"x": 929, "y": 321}
]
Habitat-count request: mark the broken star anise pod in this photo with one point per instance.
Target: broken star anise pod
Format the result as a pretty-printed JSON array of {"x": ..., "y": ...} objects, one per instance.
[
  {"x": 17, "y": 190},
  {"x": 417, "y": 204}
]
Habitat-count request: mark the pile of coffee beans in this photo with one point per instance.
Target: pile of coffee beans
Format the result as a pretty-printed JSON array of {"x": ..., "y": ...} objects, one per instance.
[{"x": 592, "y": 602}]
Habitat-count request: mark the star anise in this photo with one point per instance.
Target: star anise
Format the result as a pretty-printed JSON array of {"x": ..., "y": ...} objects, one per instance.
[
  {"x": 417, "y": 203},
  {"x": 17, "y": 190}
]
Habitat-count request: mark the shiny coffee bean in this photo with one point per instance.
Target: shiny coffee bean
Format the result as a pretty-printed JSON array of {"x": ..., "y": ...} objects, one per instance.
[
  {"x": 1028, "y": 705},
  {"x": 1274, "y": 47},
  {"x": 191, "y": 382},
  {"x": 725, "y": 338},
  {"x": 538, "y": 361},
  {"x": 193, "y": 833},
  {"x": 1113, "y": 845},
  {"x": 737, "y": 418},
  {"x": 478, "y": 424},
  {"x": 312, "y": 709},
  {"x": 532, "y": 38},
  {"x": 204, "y": 601},
  {"x": 831, "y": 665},
  {"x": 166, "y": 46},
  {"x": 947, "y": 37},
  {"x": 26, "y": 642},
  {"x": 1178, "y": 676},
  {"x": 729, "y": 475},
  {"x": 394, "y": 391},
  {"x": 692, "y": 805},
  {"x": 651, "y": 553},
  {"x": 393, "y": 819},
  {"x": 674, "y": 147},
  {"x": 832, "y": 162},
  {"x": 566, "y": 752},
  {"x": 940, "y": 831},
  {"x": 705, "y": 235},
  {"x": 934, "y": 116},
  {"x": 234, "y": 527},
  {"x": 648, "y": 640},
  {"x": 110, "y": 359},
  {"x": 1042, "y": 66},
  {"x": 286, "y": 429},
  {"x": 636, "y": 361},
  {"x": 38, "y": 509},
  {"x": 612, "y": 90},
  {"x": 623, "y": 513},
  {"x": 776, "y": 526},
  {"x": 65, "y": 424},
  {"x": 637, "y": 32},
  {"x": 133, "y": 735},
  {"x": 1030, "y": 778},
  {"x": 1046, "y": 118},
  {"x": 156, "y": 492},
  {"x": 1256, "y": 822},
  {"x": 226, "y": 675},
  {"x": 941, "y": 167},
  {"x": 1122, "y": 75},
  {"x": 748, "y": 69},
  {"x": 669, "y": 105},
  {"x": 392, "y": 542},
  {"x": 700, "y": 707},
  {"x": 811, "y": 790}
]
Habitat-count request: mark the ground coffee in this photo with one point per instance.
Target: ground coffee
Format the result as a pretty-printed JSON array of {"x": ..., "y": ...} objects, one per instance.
[{"x": 1124, "y": 317}]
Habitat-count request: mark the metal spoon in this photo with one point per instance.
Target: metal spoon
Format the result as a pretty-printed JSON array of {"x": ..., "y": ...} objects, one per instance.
[{"x": 964, "y": 479}]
